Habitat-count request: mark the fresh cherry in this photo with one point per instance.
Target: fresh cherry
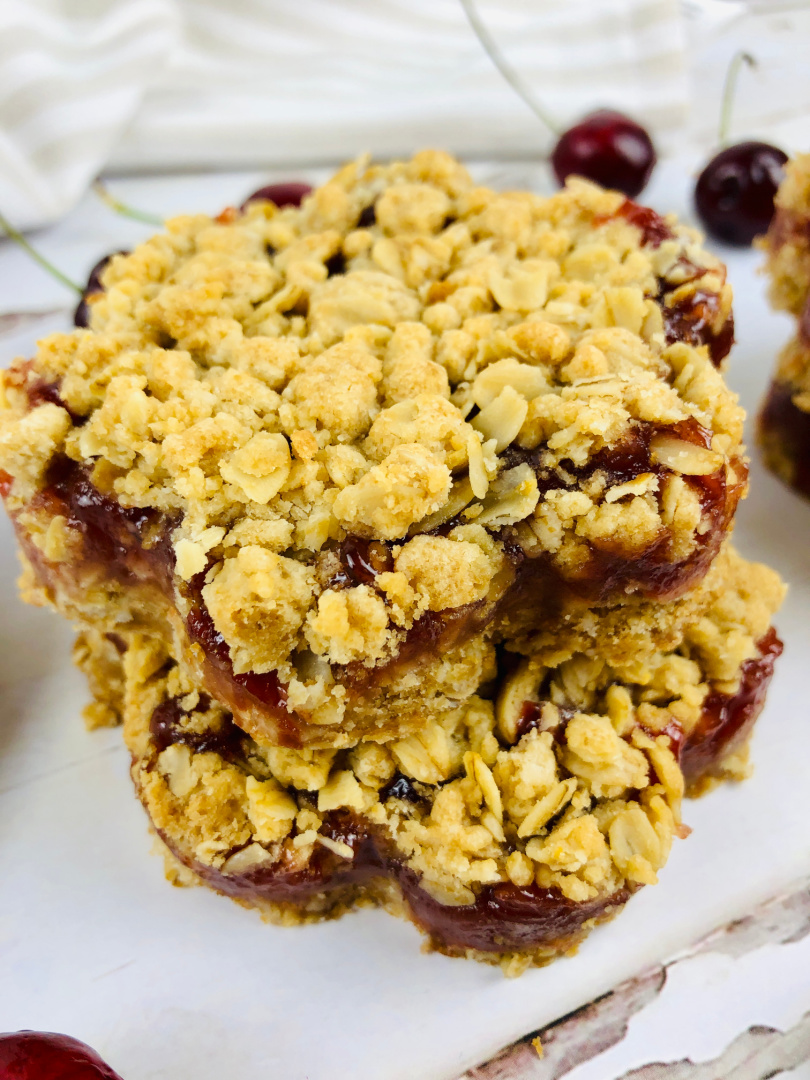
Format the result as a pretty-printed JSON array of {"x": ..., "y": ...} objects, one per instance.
[
  {"x": 43, "y": 1055},
  {"x": 289, "y": 194},
  {"x": 81, "y": 316},
  {"x": 608, "y": 148},
  {"x": 734, "y": 193}
]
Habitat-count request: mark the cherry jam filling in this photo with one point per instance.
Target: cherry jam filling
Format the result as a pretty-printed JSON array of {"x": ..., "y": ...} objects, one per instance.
[
  {"x": 531, "y": 714},
  {"x": 243, "y": 690},
  {"x": 360, "y": 561},
  {"x": 39, "y": 390},
  {"x": 654, "y": 228},
  {"x": 786, "y": 428},
  {"x": 129, "y": 542},
  {"x": 400, "y": 788},
  {"x": 727, "y": 719},
  {"x": 167, "y": 729},
  {"x": 506, "y": 917},
  {"x": 692, "y": 318}
]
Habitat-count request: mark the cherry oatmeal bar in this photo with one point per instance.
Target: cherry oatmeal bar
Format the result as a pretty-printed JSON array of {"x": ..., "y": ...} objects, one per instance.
[
  {"x": 337, "y": 452},
  {"x": 505, "y": 829}
]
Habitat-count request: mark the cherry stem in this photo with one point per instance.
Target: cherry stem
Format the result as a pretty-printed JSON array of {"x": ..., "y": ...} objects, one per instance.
[
  {"x": 729, "y": 87},
  {"x": 18, "y": 238},
  {"x": 511, "y": 76},
  {"x": 122, "y": 208}
]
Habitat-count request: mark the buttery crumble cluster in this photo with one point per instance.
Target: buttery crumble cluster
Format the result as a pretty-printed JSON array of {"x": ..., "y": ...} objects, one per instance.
[
  {"x": 277, "y": 380},
  {"x": 586, "y": 799}
]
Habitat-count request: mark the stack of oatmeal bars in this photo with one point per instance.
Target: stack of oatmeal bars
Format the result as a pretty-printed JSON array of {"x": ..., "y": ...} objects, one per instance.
[{"x": 395, "y": 528}]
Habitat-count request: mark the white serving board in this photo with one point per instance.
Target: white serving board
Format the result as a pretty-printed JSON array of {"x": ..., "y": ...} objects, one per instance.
[{"x": 170, "y": 983}]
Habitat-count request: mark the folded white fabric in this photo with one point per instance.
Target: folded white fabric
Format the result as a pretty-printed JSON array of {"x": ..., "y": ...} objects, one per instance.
[
  {"x": 72, "y": 75},
  {"x": 319, "y": 80},
  {"x": 144, "y": 84}
]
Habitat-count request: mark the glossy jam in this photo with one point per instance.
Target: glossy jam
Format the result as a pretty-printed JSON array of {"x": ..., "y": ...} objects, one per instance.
[
  {"x": 400, "y": 788},
  {"x": 785, "y": 429},
  {"x": 506, "y": 917},
  {"x": 360, "y": 561},
  {"x": 267, "y": 689},
  {"x": 654, "y": 228},
  {"x": 167, "y": 729},
  {"x": 691, "y": 319},
  {"x": 38, "y": 390},
  {"x": 129, "y": 542},
  {"x": 531, "y": 715},
  {"x": 727, "y": 719},
  {"x": 46, "y": 1055}
]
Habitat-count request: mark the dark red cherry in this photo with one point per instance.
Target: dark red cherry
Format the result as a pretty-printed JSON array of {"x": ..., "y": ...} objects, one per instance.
[
  {"x": 734, "y": 193},
  {"x": 81, "y": 316},
  {"x": 289, "y": 194},
  {"x": 608, "y": 148},
  {"x": 43, "y": 1055}
]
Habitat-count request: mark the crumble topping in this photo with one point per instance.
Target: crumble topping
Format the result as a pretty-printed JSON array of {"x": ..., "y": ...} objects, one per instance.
[{"x": 276, "y": 380}]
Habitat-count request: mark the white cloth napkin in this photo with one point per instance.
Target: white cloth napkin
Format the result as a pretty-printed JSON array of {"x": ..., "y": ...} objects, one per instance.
[
  {"x": 72, "y": 75},
  {"x": 145, "y": 85}
]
